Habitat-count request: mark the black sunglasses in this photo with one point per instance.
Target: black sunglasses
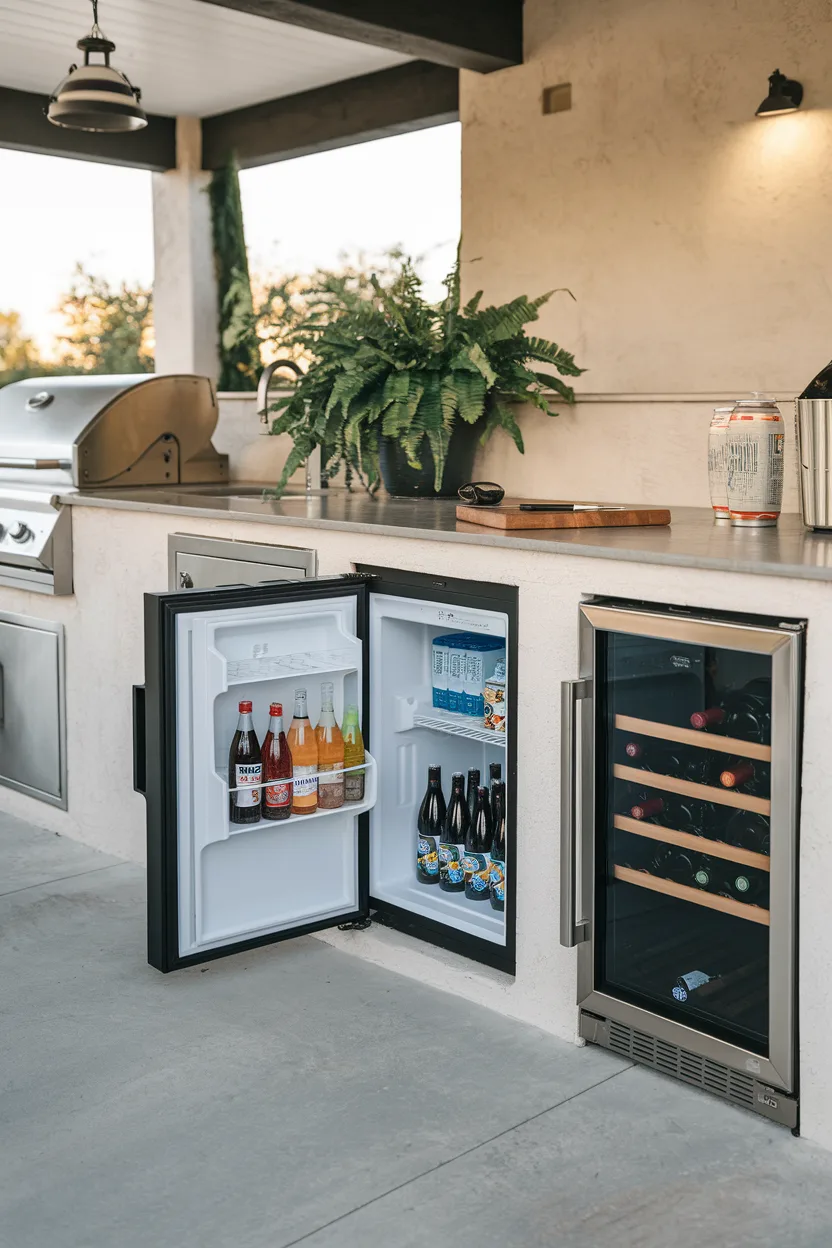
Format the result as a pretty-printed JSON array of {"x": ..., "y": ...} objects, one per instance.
[{"x": 482, "y": 493}]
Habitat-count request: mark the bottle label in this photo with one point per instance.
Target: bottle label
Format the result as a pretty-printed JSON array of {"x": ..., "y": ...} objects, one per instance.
[
  {"x": 354, "y": 786},
  {"x": 427, "y": 859},
  {"x": 477, "y": 874},
  {"x": 247, "y": 773},
  {"x": 497, "y": 879},
  {"x": 305, "y": 781},
  {"x": 450, "y": 864},
  {"x": 329, "y": 775},
  {"x": 278, "y": 795}
]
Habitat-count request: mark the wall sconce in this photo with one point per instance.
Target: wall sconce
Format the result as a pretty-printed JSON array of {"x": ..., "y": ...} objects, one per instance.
[{"x": 784, "y": 96}]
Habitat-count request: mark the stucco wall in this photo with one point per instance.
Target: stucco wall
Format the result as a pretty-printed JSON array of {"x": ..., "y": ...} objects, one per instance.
[{"x": 694, "y": 236}]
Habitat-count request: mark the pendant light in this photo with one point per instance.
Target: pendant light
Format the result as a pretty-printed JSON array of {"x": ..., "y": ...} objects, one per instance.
[
  {"x": 96, "y": 96},
  {"x": 785, "y": 95}
]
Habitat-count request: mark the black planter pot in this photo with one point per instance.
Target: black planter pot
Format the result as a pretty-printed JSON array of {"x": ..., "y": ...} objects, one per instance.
[{"x": 406, "y": 482}]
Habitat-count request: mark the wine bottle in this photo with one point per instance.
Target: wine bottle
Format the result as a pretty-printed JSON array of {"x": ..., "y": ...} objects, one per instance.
[
  {"x": 704, "y": 873},
  {"x": 478, "y": 849},
  {"x": 497, "y": 872},
  {"x": 745, "y": 884},
  {"x": 471, "y": 790},
  {"x": 672, "y": 864},
  {"x": 747, "y": 830},
  {"x": 655, "y": 756},
  {"x": 452, "y": 845},
  {"x": 747, "y": 776},
  {"x": 683, "y": 814},
  {"x": 743, "y": 713},
  {"x": 431, "y": 826},
  {"x": 689, "y": 982}
]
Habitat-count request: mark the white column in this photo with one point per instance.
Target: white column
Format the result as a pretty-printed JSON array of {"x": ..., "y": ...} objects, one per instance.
[{"x": 184, "y": 288}]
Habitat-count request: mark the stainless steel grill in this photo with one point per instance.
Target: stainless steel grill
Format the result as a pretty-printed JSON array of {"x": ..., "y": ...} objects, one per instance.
[{"x": 59, "y": 435}]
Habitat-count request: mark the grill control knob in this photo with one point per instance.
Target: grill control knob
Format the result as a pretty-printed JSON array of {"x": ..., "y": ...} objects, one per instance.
[{"x": 21, "y": 532}]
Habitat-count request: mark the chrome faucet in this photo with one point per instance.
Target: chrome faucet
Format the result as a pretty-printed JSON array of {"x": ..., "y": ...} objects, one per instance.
[{"x": 313, "y": 463}]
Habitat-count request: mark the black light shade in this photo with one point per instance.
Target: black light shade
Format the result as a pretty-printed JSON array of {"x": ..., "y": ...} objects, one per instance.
[
  {"x": 96, "y": 97},
  {"x": 784, "y": 96}
]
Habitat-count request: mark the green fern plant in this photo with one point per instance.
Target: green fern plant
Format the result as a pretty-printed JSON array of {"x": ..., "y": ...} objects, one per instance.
[{"x": 395, "y": 366}]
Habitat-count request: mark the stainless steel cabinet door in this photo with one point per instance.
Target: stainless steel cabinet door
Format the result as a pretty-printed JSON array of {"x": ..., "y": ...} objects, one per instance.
[{"x": 32, "y": 708}]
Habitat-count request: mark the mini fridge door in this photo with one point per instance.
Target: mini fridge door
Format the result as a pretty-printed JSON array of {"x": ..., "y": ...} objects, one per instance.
[
  {"x": 679, "y": 843},
  {"x": 217, "y": 887}
]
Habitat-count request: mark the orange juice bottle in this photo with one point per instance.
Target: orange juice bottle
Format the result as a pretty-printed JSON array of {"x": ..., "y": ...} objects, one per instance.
[
  {"x": 304, "y": 750},
  {"x": 330, "y": 754}
]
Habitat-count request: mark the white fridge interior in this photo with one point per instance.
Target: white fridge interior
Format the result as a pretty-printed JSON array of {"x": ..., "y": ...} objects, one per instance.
[
  {"x": 238, "y": 882},
  {"x": 409, "y": 735},
  {"x": 243, "y": 881}
]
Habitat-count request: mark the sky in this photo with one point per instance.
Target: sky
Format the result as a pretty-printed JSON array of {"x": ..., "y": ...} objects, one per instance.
[{"x": 299, "y": 215}]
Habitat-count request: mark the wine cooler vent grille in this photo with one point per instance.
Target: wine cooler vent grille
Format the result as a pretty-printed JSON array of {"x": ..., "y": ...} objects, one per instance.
[{"x": 671, "y": 1060}]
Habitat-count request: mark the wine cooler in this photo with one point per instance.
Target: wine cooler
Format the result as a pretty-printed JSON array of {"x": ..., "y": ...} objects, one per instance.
[{"x": 681, "y": 748}]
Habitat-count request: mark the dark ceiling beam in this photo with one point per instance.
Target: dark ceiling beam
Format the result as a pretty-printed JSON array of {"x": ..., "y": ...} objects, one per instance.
[
  {"x": 466, "y": 34},
  {"x": 375, "y": 106},
  {"x": 24, "y": 126}
]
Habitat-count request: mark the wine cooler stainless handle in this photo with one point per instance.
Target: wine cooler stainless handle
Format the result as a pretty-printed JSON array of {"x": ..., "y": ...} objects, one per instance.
[{"x": 571, "y": 932}]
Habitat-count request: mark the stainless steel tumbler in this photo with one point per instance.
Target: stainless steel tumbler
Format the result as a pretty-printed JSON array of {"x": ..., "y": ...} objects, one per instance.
[{"x": 814, "y": 449}]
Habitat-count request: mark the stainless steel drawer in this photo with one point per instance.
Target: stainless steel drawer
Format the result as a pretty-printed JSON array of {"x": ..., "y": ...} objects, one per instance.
[
  {"x": 205, "y": 562},
  {"x": 33, "y": 708}
]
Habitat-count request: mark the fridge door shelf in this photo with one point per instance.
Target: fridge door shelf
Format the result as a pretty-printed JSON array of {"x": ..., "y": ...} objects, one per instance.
[
  {"x": 294, "y": 821},
  {"x": 412, "y": 714},
  {"x": 713, "y": 901},
  {"x": 686, "y": 788},
  {"x": 699, "y": 844},
  {"x": 692, "y": 736}
]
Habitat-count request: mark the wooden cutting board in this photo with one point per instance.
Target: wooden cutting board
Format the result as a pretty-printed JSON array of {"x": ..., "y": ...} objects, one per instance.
[{"x": 509, "y": 516}]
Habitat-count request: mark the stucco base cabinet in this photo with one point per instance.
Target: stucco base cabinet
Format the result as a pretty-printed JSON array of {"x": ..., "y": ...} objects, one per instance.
[{"x": 122, "y": 554}]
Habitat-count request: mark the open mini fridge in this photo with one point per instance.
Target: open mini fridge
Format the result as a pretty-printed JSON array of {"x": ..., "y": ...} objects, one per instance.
[{"x": 216, "y": 887}]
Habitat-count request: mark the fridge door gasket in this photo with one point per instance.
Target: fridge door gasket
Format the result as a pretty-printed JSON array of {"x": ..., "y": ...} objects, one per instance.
[
  {"x": 784, "y": 646},
  {"x": 493, "y": 597},
  {"x": 156, "y": 766}
]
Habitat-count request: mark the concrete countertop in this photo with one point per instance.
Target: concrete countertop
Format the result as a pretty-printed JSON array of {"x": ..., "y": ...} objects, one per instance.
[{"x": 692, "y": 540}]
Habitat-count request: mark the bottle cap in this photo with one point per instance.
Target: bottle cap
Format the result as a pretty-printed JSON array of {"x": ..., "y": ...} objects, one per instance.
[
  {"x": 245, "y": 708},
  {"x": 276, "y": 708}
]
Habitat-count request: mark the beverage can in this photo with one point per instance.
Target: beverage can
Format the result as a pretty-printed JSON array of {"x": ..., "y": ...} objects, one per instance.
[
  {"x": 755, "y": 462},
  {"x": 718, "y": 461}
]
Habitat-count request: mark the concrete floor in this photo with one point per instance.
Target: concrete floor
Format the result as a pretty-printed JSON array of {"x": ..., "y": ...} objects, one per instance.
[{"x": 300, "y": 1096}]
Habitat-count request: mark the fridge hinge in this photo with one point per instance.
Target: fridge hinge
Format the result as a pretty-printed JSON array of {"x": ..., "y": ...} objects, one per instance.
[{"x": 791, "y": 628}]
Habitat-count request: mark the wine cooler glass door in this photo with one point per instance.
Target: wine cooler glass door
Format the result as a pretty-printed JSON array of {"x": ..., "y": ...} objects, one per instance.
[{"x": 694, "y": 740}]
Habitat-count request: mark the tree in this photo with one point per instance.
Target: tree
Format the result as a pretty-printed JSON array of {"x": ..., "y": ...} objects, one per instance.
[
  {"x": 109, "y": 329},
  {"x": 239, "y": 349},
  {"x": 19, "y": 356}
]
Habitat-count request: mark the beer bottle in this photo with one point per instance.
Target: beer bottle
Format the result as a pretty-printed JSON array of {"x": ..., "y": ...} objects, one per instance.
[
  {"x": 304, "y": 750},
  {"x": 497, "y": 874},
  {"x": 452, "y": 845},
  {"x": 471, "y": 791},
  {"x": 330, "y": 753},
  {"x": 478, "y": 848},
  {"x": 245, "y": 769},
  {"x": 353, "y": 756},
  {"x": 431, "y": 826},
  {"x": 277, "y": 768}
]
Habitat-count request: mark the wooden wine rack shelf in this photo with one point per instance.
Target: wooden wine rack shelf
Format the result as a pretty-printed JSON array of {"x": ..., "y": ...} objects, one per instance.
[
  {"x": 686, "y": 840},
  {"x": 690, "y": 736},
  {"x": 703, "y": 792},
  {"x": 727, "y": 905}
]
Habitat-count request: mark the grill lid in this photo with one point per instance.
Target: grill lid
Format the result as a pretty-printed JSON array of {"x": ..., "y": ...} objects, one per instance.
[{"x": 96, "y": 431}]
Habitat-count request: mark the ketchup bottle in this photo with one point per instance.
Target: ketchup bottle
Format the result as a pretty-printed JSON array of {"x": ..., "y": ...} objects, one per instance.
[{"x": 277, "y": 768}]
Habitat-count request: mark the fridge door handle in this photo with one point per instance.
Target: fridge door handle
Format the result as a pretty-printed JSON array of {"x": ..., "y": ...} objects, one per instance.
[
  {"x": 139, "y": 741},
  {"x": 572, "y": 932}
]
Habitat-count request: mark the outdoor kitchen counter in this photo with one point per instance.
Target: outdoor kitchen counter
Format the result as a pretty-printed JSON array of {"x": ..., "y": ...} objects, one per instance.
[{"x": 693, "y": 540}]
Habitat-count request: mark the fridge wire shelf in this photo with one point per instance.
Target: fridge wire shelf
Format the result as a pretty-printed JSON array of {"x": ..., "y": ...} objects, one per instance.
[
  {"x": 458, "y": 726},
  {"x": 688, "y": 840},
  {"x": 280, "y": 666},
  {"x": 691, "y": 736},
  {"x": 686, "y": 788},
  {"x": 683, "y": 892}
]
